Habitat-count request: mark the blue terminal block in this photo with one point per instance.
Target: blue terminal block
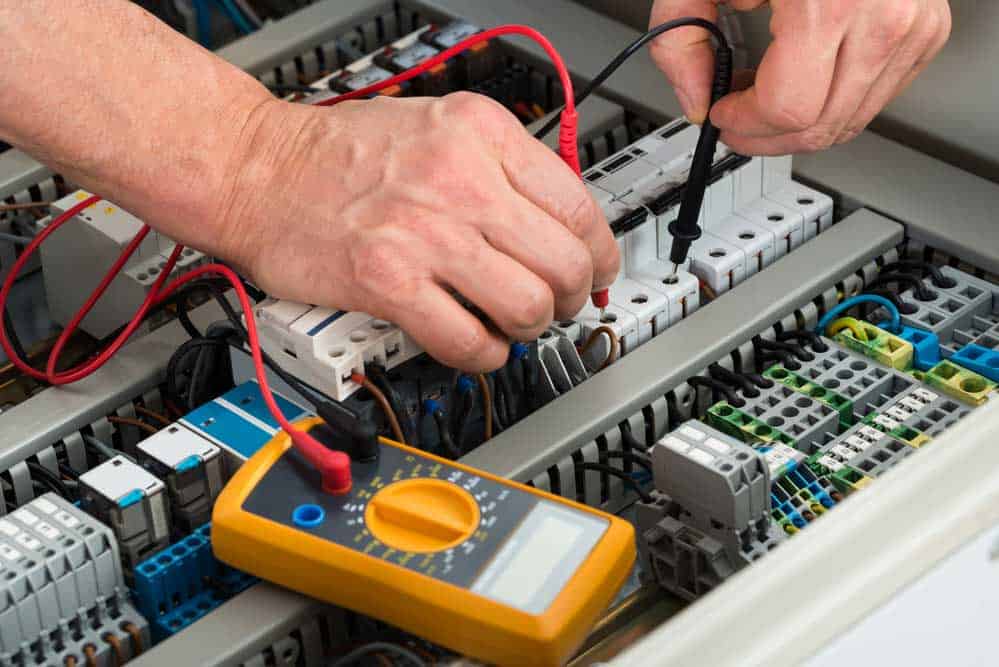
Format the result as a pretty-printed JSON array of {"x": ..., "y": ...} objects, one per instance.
[
  {"x": 239, "y": 421},
  {"x": 926, "y": 346},
  {"x": 180, "y": 584},
  {"x": 979, "y": 359}
]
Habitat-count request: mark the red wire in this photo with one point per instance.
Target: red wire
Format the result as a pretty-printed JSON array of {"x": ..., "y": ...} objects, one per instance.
[
  {"x": 334, "y": 466},
  {"x": 569, "y": 120}
]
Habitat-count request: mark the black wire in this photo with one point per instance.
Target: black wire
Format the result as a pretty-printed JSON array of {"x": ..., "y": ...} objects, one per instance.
[
  {"x": 499, "y": 403},
  {"x": 904, "y": 307},
  {"x": 444, "y": 431},
  {"x": 740, "y": 382},
  {"x": 622, "y": 475},
  {"x": 629, "y": 51},
  {"x": 939, "y": 279},
  {"x": 48, "y": 479},
  {"x": 810, "y": 337},
  {"x": 629, "y": 457},
  {"x": 509, "y": 395},
  {"x": 466, "y": 413},
  {"x": 905, "y": 280},
  {"x": 15, "y": 340},
  {"x": 717, "y": 387}
]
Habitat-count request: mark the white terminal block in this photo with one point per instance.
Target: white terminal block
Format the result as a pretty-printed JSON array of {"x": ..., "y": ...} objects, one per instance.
[
  {"x": 650, "y": 307},
  {"x": 681, "y": 289},
  {"x": 758, "y": 243},
  {"x": 787, "y": 224},
  {"x": 720, "y": 264},
  {"x": 620, "y": 321},
  {"x": 325, "y": 346},
  {"x": 99, "y": 233},
  {"x": 815, "y": 207}
]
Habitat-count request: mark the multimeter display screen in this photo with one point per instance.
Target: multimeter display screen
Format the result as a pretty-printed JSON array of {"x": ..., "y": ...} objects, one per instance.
[{"x": 539, "y": 558}]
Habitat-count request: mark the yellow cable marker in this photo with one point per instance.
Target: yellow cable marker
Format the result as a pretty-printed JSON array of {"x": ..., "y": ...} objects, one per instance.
[{"x": 487, "y": 567}]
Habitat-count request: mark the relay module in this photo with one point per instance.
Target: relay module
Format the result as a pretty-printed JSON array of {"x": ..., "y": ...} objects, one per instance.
[{"x": 711, "y": 419}]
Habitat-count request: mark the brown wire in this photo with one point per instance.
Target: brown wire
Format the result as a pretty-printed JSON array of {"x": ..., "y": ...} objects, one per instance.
[
  {"x": 383, "y": 403},
  {"x": 136, "y": 634},
  {"x": 27, "y": 205},
  {"x": 91, "y": 652},
  {"x": 592, "y": 340},
  {"x": 152, "y": 414},
  {"x": 710, "y": 293},
  {"x": 129, "y": 421},
  {"x": 487, "y": 404},
  {"x": 119, "y": 656}
]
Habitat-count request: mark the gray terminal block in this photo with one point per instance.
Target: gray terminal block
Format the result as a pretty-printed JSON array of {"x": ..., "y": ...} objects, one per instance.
[
  {"x": 193, "y": 470},
  {"x": 61, "y": 586},
  {"x": 793, "y": 413},
  {"x": 865, "y": 449},
  {"x": 926, "y": 410},
  {"x": 133, "y": 502},
  {"x": 983, "y": 330},
  {"x": 952, "y": 309},
  {"x": 711, "y": 511}
]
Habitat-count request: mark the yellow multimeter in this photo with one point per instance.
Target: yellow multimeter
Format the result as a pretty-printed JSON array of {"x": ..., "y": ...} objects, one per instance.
[{"x": 486, "y": 567}]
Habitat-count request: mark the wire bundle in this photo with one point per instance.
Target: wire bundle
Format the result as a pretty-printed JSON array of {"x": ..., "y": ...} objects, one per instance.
[{"x": 334, "y": 466}]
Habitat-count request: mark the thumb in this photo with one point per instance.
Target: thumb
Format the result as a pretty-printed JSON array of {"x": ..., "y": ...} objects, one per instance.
[{"x": 686, "y": 55}]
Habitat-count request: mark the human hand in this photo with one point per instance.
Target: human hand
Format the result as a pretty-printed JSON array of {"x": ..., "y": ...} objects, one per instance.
[
  {"x": 831, "y": 68},
  {"x": 389, "y": 206}
]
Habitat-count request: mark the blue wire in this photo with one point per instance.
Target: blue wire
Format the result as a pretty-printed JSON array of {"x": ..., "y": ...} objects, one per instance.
[
  {"x": 896, "y": 317},
  {"x": 236, "y": 16},
  {"x": 203, "y": 21}
]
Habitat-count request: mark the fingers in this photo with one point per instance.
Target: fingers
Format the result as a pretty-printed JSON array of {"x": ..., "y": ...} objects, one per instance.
[
  {"x": 448, "y": 332},
  {"x": 830, "y": 70},
  {"x": 554, "y": 192},
  {"x": 686, "y": 55},
  {"x": 923, "y": 45},
  {"x": 516, "y": 300}
]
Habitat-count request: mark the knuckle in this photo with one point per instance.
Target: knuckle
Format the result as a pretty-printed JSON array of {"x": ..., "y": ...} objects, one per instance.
[
  {"x": 582, "y": 213},
  {"x": 534, "y": 311},
  {"x": 478, "y": 110},
  {"x": 818, "y": 139},
  {"x": 468, "y": 345},
  {"x": 788, "y": 115},
  {"x": 576, "y": 273},
  {"x": 896, "y": 21}
]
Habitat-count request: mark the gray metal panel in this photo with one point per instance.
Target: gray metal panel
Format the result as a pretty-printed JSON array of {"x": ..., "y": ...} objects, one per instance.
[
  {"x": 56, "y": 412},
  {"x": 941, "y": 205},
  {"x": 536, "y": 443},
  {"x": 236, "y": 631},
  {"x": 865, "y": 552},
  {"x": 587, "y": 41},
  {"x": 18, "y": 172},
  {"x": 278, "y": 42}
]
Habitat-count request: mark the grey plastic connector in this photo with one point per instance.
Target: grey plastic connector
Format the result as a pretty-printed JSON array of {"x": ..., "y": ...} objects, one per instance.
[
  {"x": 954, "y": 308},
  {"x": 133, "y": 502},
  {"x": 61, "y": 586},
  {"x": 711, "y": 511}
]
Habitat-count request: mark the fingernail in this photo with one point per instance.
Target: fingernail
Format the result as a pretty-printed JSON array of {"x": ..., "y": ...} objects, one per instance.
[{"x": 692, "y": 111}]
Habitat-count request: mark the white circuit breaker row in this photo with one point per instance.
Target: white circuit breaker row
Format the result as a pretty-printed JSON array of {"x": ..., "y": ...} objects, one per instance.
[
  {"x": 76, "y": 258},
  {"x": 753, "y": 214}
]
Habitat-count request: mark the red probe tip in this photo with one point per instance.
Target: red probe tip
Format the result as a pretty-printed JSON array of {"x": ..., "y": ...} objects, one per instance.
[{"x": 601, "y": 298}]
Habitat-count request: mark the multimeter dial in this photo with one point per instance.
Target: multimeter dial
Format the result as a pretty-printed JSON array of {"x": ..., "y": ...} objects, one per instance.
[{"x": 422, "y": 515}]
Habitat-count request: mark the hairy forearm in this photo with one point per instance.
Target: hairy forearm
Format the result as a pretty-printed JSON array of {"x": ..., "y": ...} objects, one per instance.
[{"x": 103, "y": 92}]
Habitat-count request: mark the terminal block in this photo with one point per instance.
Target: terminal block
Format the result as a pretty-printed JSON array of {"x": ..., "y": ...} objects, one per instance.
[
  {"x": 239, "y": 422},
  {"x": 561, "y": 366},
  {"x": 955, "y": 311},
  {"x": 799, "y": 415},
  {"x": 710, "y": 514},
  {"x": 100, "y": 233},
  {"x": 925, "y": 411},
  {"x": 62, "y": 595},
  {"x": 864, "y": 449},
  {"x": 883, "y": 347},
  {"x": 134, "y": 503},
  {"x": 324, "y": 346},
  {"x": 182, "y": 583},
  {"x": 744, "y": 427},
  {"x": 800, "y": 497},
  {"x": 980, "y": 359},
  {"x": 191, "y": 466},
  {"x": 800, "y": 384},
  {"x": 962, "y": 384}
]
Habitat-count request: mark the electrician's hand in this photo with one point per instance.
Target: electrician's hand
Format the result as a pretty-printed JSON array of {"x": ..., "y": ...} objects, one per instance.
[
  {"x": 831, "y": 68},
  {"x": 391, "y": 206}
]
